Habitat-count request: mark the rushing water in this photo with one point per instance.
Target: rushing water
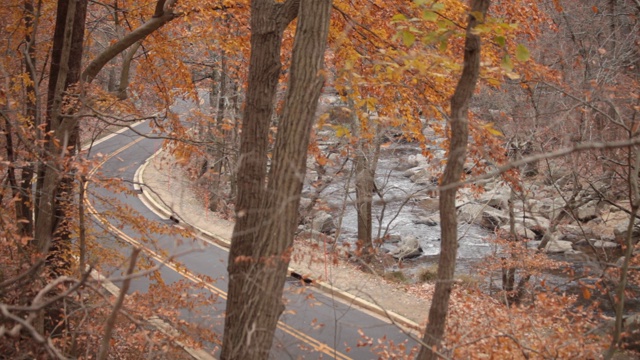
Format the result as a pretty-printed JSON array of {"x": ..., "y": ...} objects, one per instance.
[{"x": 396, "y": 215}]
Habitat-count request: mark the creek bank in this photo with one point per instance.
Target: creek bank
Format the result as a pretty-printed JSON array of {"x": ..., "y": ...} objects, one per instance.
[
  {"x": 581, "y": 229},
  {"x": 404, "y": 208}
]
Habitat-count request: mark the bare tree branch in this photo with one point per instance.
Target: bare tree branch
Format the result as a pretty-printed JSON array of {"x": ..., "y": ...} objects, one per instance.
[
  {"x": 106, "y": 337},
  {"x": 136, "y": 35},
  {"x": 542, "y": 156}
]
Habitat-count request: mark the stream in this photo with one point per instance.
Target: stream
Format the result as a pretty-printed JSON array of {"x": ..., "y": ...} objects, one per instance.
[
  {"x": 393, "y": 214},
  {"x": 399, "y": 217}
]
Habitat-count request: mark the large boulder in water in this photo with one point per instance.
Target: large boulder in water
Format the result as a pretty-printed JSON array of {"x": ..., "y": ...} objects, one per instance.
[
  {"x": 322, "y": 222},
  {"x": 408, "y": 248},
  {"x": 555, "y": 246},
  {"x": 482, "y": 215}
]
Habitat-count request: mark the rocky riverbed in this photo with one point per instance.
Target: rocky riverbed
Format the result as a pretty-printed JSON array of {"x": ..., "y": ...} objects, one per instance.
[
  {"x": 405, "y": 216},
  {"x": 406, "y": 220}
]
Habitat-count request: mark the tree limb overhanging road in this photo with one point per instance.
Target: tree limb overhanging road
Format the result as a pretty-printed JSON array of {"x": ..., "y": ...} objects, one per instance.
[{"x": 315, "y": 325}]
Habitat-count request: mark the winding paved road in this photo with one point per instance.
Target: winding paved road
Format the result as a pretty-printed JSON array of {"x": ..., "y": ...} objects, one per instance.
[{"x": 315, "y": 325}]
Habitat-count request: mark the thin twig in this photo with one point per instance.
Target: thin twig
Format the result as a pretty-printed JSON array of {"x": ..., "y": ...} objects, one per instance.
[{"x": 106, "y": 339}]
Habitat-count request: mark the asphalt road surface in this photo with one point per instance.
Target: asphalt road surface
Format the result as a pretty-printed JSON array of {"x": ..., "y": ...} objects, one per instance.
[{"x": 315, "y": 325}]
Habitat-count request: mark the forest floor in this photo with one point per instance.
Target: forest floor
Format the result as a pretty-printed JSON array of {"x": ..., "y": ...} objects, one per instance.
[{"x": 172, "y": 188}]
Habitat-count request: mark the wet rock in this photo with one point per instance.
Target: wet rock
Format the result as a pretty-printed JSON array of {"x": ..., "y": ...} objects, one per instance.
[
  {"x": 421, "y": 176},
  {"x": 548, "y": 208},
  {"x": 304, "y": 202},
  {"x": 427, "y": 220},
  {"x": 556, "y": 173},
  {"x": 413, "y": 171},
  {"x": 425, "y": 180},
  {"x": 624, "y": 204},
  {"x": 482, "y": 215},
  {"x": 533, "y": 244},
  {"x": 388, "y": 199},
  {"x": 602, "y": 244},
  {"x": 620, "y": 231},
  {"x": 587, "y": 212},
  {"x": 570, "y": 232},
  {"x": 335, "y": 158},
  {"x": 429, "y": 204},
  {"x": 632, "y": 332},
  {"x": 556, "y": 246},
  {"x": 520, "y": 230},
  {"x": 316, "y": 236},
  {"x": 322, "y": 222},
  {"x": 599, "y": 244},
  {"x": 498, "y": 199},
  {"x": 408, "y": 248},
  {"x": 393, "y": 239},
  {"x": 537, "y": 223},
  {"x": 471, "y": 213},
  {"x": 417, "y": 160}
]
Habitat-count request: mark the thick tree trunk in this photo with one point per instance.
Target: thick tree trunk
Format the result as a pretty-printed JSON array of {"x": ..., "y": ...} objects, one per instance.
[
  {"x": 258, "y": 270},
  {"x": 452, "y": 173},
  {"x": 65, "y": 70},
  {"x": 54, "y": 186},
  {"x": 264, "y": 68}
]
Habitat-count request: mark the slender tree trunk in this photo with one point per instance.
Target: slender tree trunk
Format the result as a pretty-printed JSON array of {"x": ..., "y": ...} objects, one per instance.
[
  {"x": 232, "y": 158},
  {"x": 364, "y": 198},
  {"x": 219, "y": 132},
  {"x": 264, "y": 69},
  {"x": 256, "y": 282},
  {"x": 633, "y": 163},
  {"x": 453, "y": 171},
  {"x": 125, "y": 73},
  {"x": 24, "y": 209},
  {"x": 365, "y": 164},
  {"x": 159, "y": 19}
]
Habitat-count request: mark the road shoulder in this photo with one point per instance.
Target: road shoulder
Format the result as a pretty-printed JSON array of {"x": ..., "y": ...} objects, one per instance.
[{"x": 169, "y": 193}]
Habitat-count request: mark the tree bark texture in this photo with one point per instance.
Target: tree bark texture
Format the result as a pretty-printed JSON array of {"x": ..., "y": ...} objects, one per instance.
[
  {"x": 365, "y": 163},
  {"x": 258, "y": 271},
  {"x": 364, "y": 198},
  {"x": 452, "y": 174},
  {"x": 268, "y": 22},
  {"x": 65, "y": 70}
]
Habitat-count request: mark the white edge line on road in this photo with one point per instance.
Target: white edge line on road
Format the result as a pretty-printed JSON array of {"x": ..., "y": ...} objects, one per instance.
[
  {"x": 160, "y": 210},
  {"x": 154, "y": 321},
  {"x": 207, "y": 238},
  {"x": 136, "y": 178},
  {"x": 147, "y": 201},
  {"x": 325, "y": 287},
  {"x": 103, "y": 139}
]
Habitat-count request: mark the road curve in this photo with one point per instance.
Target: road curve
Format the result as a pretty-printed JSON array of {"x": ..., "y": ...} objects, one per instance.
[{"x": 315, "y": 325}]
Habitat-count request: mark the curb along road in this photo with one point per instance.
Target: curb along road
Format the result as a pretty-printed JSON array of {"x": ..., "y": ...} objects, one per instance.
[
  {"x": 341, "y": 316},
  {"x": 156, "y": 205},
  {"x": 126, "y": 154},
  {"x": 154, "y": 321}
]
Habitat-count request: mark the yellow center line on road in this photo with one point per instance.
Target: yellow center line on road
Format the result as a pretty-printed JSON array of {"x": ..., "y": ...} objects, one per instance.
[{"x": 315, "y": 344}]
